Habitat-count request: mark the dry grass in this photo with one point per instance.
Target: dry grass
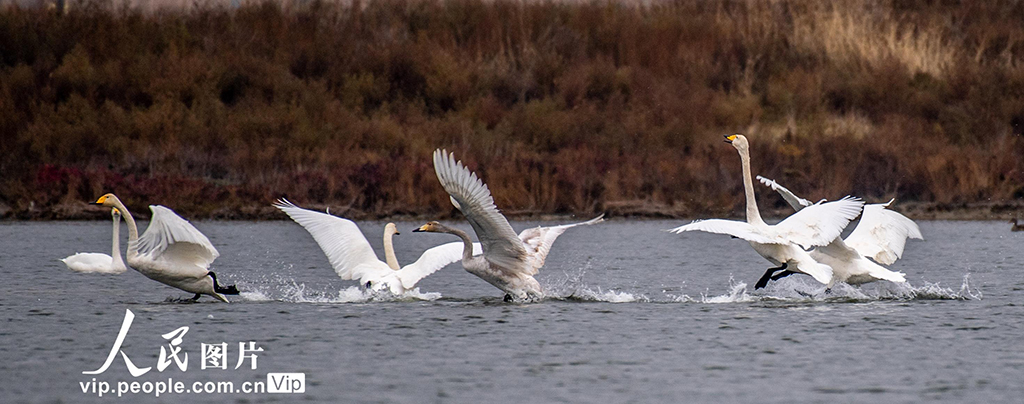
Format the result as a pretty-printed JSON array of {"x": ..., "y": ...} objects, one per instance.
[{"x": 562, "y": 107}]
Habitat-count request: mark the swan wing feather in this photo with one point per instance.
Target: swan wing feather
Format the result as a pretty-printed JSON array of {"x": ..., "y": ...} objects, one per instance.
[
  {"x": 173, "y": 241},
  {"x": 432, "y": 260},
  {"x": 818, "y": 224},
  {"x": 502, "y": 247},
  {"x": 342, "y": 242},
  {"x": 882, "y": 233},
  {"x": 538, "y": 240},
  {"x": 733, "y": 228},
  {"x": 795, "y": 201}
]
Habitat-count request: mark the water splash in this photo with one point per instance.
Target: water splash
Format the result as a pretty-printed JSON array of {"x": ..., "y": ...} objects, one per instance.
[
  {"x": 573, "y": 288},
  {"x": 737, "y": 294},
  {"x": 609, "y": 296}
]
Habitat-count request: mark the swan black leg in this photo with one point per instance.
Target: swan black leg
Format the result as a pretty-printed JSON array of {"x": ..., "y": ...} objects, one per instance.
[
  {"x": 507, "y": 299},
  {"x": 227, "y": 290},
  {"x": 761, "y": 283},
  {"x": 196, "y": 297}
]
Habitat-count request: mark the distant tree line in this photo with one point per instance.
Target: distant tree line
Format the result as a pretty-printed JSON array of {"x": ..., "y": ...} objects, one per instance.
[{"x": 562, "y": 107}]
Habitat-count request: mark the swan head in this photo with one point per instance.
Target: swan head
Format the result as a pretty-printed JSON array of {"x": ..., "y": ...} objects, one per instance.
[
  {"x": 433, "y": 227},
  {"x": 391, "y": 229},
  {"x": 115, "y": 214},
  {"x": 106, "y": 200},
  {"x": 738, "y": 141}
]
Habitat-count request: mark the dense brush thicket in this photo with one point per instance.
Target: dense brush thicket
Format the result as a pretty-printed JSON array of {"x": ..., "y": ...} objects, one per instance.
[{"x": 562, "y": 107}]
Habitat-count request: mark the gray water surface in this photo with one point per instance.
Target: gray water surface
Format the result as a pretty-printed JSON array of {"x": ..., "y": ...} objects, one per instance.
[{"x": 637, "y": 315}]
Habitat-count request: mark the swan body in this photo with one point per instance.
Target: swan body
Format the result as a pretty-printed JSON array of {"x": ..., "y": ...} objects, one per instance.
[
  {"x": 97, "y": 262},
  {"x": 171, "y": 251},
  {"x": 783, "y": 244},
  {"x": 881, "y": 235},
  {"x": 353, "y": 258},
  {"x": 509, "y": 261}
]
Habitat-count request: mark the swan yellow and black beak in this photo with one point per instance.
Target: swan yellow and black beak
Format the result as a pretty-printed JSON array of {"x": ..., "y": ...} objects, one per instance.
[
  {"x": 729, "y": 138},
  {"x": 100, "y": 201},
  {"x": 429, "y": 227}
]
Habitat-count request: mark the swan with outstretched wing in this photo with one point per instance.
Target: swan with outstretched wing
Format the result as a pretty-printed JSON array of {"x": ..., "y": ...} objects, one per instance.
[
  {"x": 171, "y": 251},
  {"x": 509, "y": 261},
  {"x": 354, "y": 259},
  {"x": 783, "y": 244},
  {"x": 881, "y": 235}
]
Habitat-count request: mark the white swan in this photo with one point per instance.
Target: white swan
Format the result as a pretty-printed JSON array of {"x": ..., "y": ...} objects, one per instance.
[
  {"x": 353, "y": 258},
  {"x": 784, "y": 243},
  {"x": 880, "y": 235},
  {"x": 171, "y": 251},
  {"x": 508, "y": 261},
  {"x": 98, "y": 262}
]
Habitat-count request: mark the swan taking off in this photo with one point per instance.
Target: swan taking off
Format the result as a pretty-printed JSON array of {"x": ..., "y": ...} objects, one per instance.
[
  {"x": 508, "y": 261},
  {"x": 171, "y": 251},
  {"x": 784, "y": 243},
  {"x": 353, "y": 258},
  {"x": 880, "y": 235},
  {"x": 98, "y": 262}
]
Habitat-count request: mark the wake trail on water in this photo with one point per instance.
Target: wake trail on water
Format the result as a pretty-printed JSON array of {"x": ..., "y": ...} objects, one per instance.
[
  {"x": 800, "y": 291},
  {"x": 276, "y": 288}
]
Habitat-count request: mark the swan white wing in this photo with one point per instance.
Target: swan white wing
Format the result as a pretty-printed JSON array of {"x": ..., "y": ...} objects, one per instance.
[
  {"x": 470, "y": 195},
  {"x": 341, "y": 241},
  {"x": 733, "y": 228},
  {"x": 538, "y": 240},
  {"x": 818, "y": 224},
  {"x": 92, "y": 262},
  {"x": 432, "y": 260},
  {"x": 882, "y": 233},
  {"x": 795, "y": 201},
  {"x": 172, "y": 240}
]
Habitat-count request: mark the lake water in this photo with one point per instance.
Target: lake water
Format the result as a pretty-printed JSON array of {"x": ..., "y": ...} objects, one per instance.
[{"x": 640, "y": 316}]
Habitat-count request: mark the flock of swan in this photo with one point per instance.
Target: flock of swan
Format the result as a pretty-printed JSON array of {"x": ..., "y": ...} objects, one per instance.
[{"x": 173, "y": 252}]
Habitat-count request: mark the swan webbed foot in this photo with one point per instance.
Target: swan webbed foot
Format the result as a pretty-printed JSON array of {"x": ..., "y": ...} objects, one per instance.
[
  {"x": 227, "y": 290},
  {"x": 768, "y": 275},
  {"x": 781, "y": 275},
  {"x": 508, "y": 298}
]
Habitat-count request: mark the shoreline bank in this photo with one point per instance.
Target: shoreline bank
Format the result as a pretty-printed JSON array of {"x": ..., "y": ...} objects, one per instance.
[{"x": 996, "y": 210}]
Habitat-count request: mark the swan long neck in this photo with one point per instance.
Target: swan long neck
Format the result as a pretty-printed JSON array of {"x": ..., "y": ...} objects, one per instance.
[
  {"x": 753, "y": 215},
  {"x": 389, "y": 250},
  {"x": 133, "y": 230},
  {"x": 467, "y": 244},
  {"x": 116, "y": 243}
]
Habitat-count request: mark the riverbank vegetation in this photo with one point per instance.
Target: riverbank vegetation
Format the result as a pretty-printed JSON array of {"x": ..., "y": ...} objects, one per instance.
[{"x": 562, "y": 107}]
